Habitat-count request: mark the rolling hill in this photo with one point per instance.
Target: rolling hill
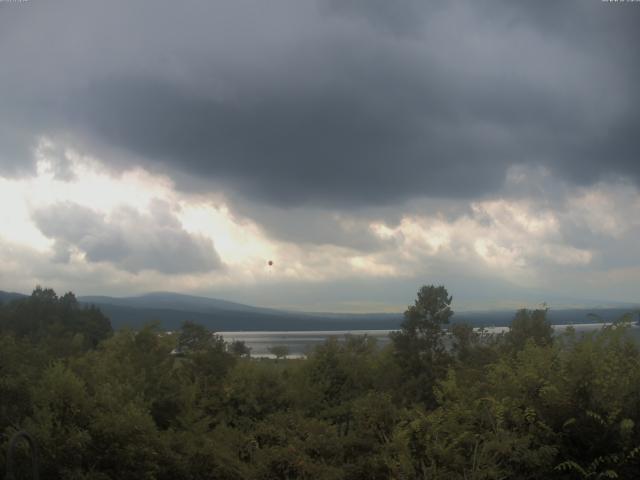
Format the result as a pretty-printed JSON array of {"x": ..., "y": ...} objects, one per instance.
[{"x": 172, "y": 309}]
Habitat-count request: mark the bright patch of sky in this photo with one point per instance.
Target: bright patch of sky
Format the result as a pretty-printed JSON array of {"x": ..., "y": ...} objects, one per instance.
[{"x": 521, "y": 241}]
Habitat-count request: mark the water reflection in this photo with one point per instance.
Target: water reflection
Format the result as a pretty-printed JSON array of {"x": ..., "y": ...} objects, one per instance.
[{"x": 302, "y": 342}]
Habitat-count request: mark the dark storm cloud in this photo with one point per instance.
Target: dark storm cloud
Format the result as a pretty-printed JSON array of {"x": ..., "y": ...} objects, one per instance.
[
  {"x": 401, "y": 17},
  {"x": 331, "y": 104},
  {"x": 127, "y": 239},
  {"x": 315, "y": 226}
]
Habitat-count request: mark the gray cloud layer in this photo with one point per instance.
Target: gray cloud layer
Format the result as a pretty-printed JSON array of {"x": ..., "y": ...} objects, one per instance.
[
  {"x": 127, "y": 239},
  {"x": 329, "y": 104}
]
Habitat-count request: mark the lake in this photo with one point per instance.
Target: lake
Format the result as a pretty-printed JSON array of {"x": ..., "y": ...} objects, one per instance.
[{"x": 302, "y": 342}]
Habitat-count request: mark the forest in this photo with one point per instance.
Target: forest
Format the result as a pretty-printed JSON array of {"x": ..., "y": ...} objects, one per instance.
[{"x": 440, "y": 401}]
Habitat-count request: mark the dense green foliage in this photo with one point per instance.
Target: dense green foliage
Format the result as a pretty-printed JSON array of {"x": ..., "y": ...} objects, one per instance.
[{"x": 457, "y": 405}]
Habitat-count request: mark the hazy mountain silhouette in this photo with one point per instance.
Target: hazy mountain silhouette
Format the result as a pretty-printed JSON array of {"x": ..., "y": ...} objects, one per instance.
[
  {"x": 171, "y": 309},
  {"x": 6, "y": 297}
]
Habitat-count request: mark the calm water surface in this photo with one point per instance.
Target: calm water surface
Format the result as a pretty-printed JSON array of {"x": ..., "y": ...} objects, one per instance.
[{"x": 301, "y": 343}]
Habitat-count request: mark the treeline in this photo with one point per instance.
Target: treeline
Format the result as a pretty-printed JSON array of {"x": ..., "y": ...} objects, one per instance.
[{"x": 147, "y": 405}]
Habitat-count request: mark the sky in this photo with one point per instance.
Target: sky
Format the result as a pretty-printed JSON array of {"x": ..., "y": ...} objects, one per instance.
[{"x": 365, "y": 147}]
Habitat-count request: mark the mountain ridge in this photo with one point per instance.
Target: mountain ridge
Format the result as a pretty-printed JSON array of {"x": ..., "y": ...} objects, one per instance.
[{"x": 172, "y": 309}]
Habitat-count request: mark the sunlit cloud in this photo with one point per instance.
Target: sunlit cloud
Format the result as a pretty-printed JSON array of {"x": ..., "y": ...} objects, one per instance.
[{"x": 79, "y": 225}]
